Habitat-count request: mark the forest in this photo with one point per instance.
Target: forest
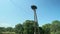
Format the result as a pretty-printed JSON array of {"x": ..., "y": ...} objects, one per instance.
[{"x": 27, "y": 28}]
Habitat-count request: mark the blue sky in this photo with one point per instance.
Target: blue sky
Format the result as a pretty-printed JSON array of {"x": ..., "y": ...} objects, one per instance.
[{"x": 13, "y": 12}]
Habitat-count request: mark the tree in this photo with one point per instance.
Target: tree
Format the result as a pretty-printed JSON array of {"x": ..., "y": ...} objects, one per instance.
[
  {"x": 55, "y": 26},
  {"x": 41, "y": 30},
  {"x": 9, "y": 29},
  {"x": 28, "y": 27},
  {"x": 2, "y": 29},
  {"x": 46, "y": 28},
  {"x": 19, "y": 29}
]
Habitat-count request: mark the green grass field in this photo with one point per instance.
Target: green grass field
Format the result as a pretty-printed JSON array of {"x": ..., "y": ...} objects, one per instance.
[{"x": 8, "y": 32}]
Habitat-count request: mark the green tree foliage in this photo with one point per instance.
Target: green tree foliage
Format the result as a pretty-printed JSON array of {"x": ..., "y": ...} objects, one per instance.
[
  {"x": 55, "y": 26},
  {"x": 28, "y": 27},
  {"x": 46, "y": 28},
  {"x": 41, "y": 30},
  {"x": 19, "y": 29},
  {"x": 9, "y": 29},
  {"x": 52, "y": 28},
  {"x": 2, "y": 29}
]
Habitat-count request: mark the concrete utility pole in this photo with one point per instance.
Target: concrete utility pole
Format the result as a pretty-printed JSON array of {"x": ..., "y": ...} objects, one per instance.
[{"x": 36, "y": 26}]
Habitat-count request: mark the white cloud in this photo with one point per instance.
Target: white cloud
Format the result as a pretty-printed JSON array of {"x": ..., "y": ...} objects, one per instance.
[{"x": 5, "y": 25}]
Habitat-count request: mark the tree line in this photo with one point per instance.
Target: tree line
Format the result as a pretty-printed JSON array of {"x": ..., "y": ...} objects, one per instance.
[{"x": 28, "y": 28}]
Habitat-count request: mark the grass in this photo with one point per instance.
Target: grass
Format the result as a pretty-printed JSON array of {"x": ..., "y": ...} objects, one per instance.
[{"x": 8, "y": 32}]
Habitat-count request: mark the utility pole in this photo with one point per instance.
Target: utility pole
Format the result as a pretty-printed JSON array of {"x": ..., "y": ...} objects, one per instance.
[{"x": 36, "y": 26}]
